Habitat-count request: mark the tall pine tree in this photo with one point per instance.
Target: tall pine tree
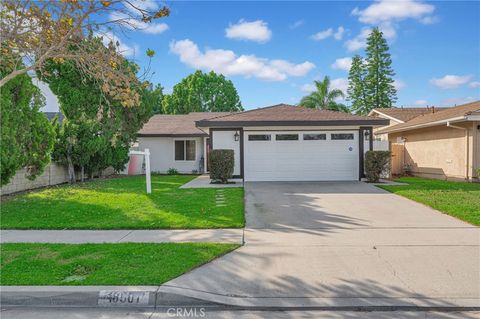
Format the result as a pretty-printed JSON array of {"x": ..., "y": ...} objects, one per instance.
[
  {"x": 379, "y": 87},
  {"x": 356, "y": 86}
]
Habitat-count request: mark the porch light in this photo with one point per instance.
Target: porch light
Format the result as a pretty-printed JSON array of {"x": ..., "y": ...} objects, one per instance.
[
  {"x": 236, "y": 136},
  {"x": 367, "y": 135}
]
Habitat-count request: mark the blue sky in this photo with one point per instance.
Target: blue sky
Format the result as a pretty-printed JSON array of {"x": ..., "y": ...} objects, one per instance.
[{"x": 273, "y": 50}]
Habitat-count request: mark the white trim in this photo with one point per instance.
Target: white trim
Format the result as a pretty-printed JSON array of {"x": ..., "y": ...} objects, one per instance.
[
  {"x": 387, "y": 116},
  {"x": 412, "y": 127}
]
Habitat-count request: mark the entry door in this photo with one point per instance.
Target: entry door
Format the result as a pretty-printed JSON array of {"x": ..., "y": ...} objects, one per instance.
[{"x": 301, "y": 155}]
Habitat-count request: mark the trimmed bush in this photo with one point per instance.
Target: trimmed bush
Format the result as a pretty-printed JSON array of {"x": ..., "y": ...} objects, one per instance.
[
  {"x": 172, "y": 171},
  {"x": 376, "y": 163},
  {"x": 221, "y": 165}
]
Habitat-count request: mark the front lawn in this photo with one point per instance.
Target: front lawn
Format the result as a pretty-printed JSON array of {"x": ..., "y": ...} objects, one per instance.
[
  {"x": 102, "y": 264},
  {"x": 122, "y": 203},
  {"x": 458, "y": 199}
]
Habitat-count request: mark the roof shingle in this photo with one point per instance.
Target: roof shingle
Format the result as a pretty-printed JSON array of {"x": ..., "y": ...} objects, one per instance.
[
  {"x": 408, "y": 113},
  {"x": 176, "y": 125},
  {"x": 432, "y": 118},
  {"x": 283, "y": 114}
]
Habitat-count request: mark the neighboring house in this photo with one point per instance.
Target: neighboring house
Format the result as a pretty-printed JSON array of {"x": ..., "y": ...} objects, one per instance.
[
  {"x": 443, "y": 145},
  {"x": 398, "y": 115},
  {"x": 175, "y": 142},
  {"x": 292, "y": 143}
]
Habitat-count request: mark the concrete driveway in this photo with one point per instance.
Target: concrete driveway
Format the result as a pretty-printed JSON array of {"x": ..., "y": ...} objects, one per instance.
[{"x": 341, "y": 244}]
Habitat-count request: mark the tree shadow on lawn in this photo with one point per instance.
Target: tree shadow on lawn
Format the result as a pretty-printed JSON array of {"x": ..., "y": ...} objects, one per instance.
[{"x": 108, "y": 209}]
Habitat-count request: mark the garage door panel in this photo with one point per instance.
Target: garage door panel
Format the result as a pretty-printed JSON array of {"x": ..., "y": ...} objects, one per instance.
[{"x": 301, "y": 160}]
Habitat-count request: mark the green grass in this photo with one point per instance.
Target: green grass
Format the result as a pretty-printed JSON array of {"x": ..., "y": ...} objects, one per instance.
[
  {"x": 122, "y": 203},
  {"x": 103, "y": 264},
  {"x": 458, "y": 199}
]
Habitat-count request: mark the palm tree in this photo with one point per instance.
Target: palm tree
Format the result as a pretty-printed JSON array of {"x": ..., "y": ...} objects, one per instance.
[{"x": 324, "y": 98}]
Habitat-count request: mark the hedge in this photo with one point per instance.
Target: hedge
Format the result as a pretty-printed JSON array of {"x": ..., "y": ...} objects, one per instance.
[
  {"x": 376, "y": 162},
  {"x": 221, "y": 165}
]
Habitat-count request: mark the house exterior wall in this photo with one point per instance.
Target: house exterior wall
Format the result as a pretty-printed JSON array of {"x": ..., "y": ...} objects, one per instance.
[
  {"x": 223, "y": 139},
  {"x": 440, "y": 152},
  {"x": 162, "y": 154},
  {"x": 383, "y": 137}
]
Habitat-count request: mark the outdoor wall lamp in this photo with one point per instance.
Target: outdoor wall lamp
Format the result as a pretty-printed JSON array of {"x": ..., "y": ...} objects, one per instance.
[
  {"x": 236, "y": 136},
  {"x": 367, "y": 135}
]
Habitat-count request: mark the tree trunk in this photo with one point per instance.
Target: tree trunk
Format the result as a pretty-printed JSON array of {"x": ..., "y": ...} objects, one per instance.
[
  {"x": 71, "y": 171},
  {"x": 83, "y": 174}
]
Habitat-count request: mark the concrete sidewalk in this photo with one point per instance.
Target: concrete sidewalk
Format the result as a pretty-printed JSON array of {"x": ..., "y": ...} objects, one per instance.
[{"x": 122, "y": 236}]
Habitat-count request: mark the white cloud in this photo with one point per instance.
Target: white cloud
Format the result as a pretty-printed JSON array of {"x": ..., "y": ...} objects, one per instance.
[
  {"x": 254, "y": 31},
  {"x": 228, "y": 63},
  {"x": 458, "y": 101},
  {"x": 137, "y": 24},
  {"x": 474, "y": 84},
  {"x": 421, "y": 102},
  {"x": 122, "y": 48},
  {"x": 359, "y": 42},
  {"x": 340, "y": 83},
  {"x": 399, "y": 84},
  {"x": 322, "y": 35},
  {"x": 390, "y": 11},
  {"x": 450, "y": 81},
  {"x": 386, "y": 14},
  {"x": 296, "y": 24},
  {"x": 308, "y": 88},
  {"x": 342, "y": 64},
  {"x": 339, "y": 34}
]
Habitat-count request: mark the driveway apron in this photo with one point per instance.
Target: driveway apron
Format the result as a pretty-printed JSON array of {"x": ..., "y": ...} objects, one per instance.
[{"x": 327, "y": 244}]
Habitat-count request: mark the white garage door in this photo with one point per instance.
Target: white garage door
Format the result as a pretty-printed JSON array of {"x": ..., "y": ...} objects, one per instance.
[{"x": 301, "y": 156}]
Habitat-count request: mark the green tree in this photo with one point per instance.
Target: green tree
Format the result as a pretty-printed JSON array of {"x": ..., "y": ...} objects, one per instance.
[
  {"x": 356, "y": 86},
  {"x": 379, "y": 79},
  {"x": 26, "y": 135},
  {"x": 152, "y": 97},
  {"x": 324, "y": 98},
  {"x": 97, "y": 131},
  {"x": 203, "y": 92}
]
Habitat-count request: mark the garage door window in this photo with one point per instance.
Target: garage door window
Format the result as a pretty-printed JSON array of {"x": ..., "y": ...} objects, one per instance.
[
  {"x": 259, "y": 137},
  {"x": 314, "y": 137},
  {"x": 185, "y": 150},
  {"x": 342, "y": 136},
  {"x": 286, "y": 137}
]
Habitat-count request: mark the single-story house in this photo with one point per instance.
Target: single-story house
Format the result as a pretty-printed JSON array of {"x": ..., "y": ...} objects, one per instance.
[
  {"x": 276, "y": 143},
  {"x": 175, "y": 142},
  {"x": 443, "y": 145},
  {"x": 398, "y": 115}
]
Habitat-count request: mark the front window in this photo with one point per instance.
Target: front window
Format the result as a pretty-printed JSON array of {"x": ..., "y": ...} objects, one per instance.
[{"x": 185, "y": 150}]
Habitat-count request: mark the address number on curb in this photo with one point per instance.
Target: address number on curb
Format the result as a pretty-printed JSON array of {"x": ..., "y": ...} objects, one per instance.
[{"x": 123, "y": 298}]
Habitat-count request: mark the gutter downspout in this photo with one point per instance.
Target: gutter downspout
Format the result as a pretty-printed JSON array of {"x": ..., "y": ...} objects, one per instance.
[{"x": 467, "y": 148}]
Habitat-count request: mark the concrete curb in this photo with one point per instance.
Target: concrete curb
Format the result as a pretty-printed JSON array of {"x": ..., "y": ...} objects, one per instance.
[{"x": 151, "y": 297}]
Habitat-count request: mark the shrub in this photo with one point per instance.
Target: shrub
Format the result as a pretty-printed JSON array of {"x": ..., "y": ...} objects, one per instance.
[
  {"x": 376, "y": 162},
  {"x": 221, "y": 165},
  {"x": 172, "y": 171}
]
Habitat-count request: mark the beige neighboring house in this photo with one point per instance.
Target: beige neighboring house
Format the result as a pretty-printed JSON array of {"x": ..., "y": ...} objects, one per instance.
[
  {"x": 444, "y": 144},
  {"x": 399, "y": 115}
]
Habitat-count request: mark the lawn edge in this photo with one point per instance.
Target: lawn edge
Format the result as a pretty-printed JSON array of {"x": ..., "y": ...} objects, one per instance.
[{"x": 426, "y": 205}]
